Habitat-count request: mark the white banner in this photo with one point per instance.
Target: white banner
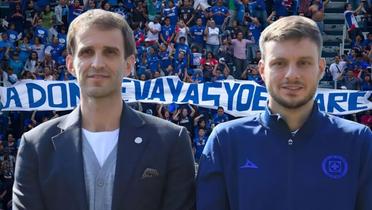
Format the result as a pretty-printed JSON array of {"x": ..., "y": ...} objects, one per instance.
[{"x": 239, "y": 98}]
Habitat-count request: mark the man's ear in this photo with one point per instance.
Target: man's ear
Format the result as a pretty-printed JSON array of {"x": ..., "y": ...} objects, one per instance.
[
  {"x": 261, "y": 69},
  {"x": 322, "y": 65},
  {"x": 70, "y": 64},
  {"x": 130, "y": 62}
]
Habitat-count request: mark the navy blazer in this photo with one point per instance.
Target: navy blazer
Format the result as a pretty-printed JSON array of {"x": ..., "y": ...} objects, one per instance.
[{"x": 156, "y": 174}]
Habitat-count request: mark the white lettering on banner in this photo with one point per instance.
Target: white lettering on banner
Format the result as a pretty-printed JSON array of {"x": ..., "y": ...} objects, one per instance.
[{"x": 239, "y": 98}]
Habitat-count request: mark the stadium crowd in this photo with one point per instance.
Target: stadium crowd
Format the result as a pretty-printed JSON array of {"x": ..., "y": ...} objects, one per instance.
[{"x": 197, "y": 42}]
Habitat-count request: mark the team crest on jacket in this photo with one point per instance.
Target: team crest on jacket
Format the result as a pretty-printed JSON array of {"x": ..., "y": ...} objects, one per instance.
[{"x": 335, "y": 166}]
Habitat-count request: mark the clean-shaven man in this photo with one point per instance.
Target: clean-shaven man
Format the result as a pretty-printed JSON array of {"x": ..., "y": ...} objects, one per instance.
[{"x": 103, "y": 155}]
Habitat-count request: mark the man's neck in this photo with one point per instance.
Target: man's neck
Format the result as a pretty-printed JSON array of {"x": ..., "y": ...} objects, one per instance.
[
  {"x": 101, "y": 114},
  {"x": 295, "y": 118}
]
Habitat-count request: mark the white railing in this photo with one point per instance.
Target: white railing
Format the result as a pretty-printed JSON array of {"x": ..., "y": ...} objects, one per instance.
[{"x": 342, "y": 45}]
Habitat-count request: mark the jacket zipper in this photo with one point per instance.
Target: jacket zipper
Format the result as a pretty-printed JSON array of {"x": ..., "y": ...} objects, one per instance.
[{"x": 290, "y": 174}]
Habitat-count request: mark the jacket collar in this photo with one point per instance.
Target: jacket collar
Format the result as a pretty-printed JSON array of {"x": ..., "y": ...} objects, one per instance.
[
  {"x": 72, "y": 119},
  {"x": 130, "y": 151},
  {"x": 276, "y": 122},
  {"x": 68, "y": 155}
]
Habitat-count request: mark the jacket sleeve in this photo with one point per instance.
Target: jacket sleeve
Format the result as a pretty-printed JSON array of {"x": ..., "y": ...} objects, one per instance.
[
  {"x": 26, "y": 188},
  {"x": 364, "y": 200},
  {"x": 180, "y": 188},
  {"x": 210, "y": 188}
]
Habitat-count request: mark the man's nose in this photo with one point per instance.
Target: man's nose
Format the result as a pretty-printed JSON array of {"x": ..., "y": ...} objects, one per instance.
[
  {"x": 292, "y": 72},
  {"x": 98, "y": 61}
]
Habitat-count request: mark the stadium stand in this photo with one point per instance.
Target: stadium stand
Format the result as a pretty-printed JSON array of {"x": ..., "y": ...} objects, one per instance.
[{"x": 33, "y": 46}]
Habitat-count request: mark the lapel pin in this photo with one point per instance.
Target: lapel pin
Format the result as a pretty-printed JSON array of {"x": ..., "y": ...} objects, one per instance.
[{"x": 138, "y": 140}]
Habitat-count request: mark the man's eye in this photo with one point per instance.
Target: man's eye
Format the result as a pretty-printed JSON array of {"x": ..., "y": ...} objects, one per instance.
[
  {"x": 87, "y": 52},
  {"x": 278, "y": 63},
  {"x": 304, "y": 63},
  {"x": 111, "y": 52}
]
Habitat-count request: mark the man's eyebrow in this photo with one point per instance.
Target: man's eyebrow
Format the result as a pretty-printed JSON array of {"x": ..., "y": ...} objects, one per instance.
[
  {"x": 278, "y": 58},
  {"x": 85, "y": 48},
  {"x": 306, "y": 57},
  {"x": 116, "y": 49},
  {"x": 284, "y": 58},
  {"x": 111, "y": 48}
]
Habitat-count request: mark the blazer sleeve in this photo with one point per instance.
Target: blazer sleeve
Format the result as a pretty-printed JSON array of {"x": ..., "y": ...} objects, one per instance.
[
  {"x": 211, "y": 191},
  {"x": 180, "y": 187},
  {"x": 26, "y": 188}
]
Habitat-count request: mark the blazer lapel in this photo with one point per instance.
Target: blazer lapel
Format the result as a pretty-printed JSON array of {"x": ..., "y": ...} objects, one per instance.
[
  {"x": 68, "y": 149},
  {"x": 129, "y": 153}
]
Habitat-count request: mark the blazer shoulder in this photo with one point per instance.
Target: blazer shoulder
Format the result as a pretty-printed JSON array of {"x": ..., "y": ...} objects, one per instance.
[
  {"x": 158, "y": 123},
  {"x": 162, "y": 130}
]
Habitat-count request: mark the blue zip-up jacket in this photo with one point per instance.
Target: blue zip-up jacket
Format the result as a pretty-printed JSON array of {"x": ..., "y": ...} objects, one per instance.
[{"x": 256, "y": 163}]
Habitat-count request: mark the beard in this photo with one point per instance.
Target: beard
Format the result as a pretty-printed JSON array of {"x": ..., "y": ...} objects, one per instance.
[{"x": 292, "y": 104}]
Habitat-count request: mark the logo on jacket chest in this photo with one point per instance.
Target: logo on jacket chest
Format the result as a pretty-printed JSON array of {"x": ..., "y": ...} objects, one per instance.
[{"x": 334, "y": 166}]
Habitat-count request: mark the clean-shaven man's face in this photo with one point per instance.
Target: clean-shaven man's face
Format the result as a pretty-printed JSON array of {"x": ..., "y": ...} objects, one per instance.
[{"x": 98, "y": 62}]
